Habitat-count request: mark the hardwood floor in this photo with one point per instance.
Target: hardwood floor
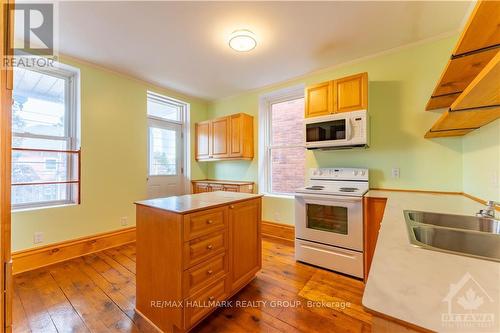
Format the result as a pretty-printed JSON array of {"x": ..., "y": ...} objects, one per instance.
[{"x": 96, "y": 293}]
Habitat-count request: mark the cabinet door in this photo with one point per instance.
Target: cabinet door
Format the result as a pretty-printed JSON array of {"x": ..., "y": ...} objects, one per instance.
[
  {"x": 319, "y": 100},
  {"x": 245, "y": 242},
  {"x": 200, "y": 188},
  {"x": 236, "y": 144},
  {"x": 373, "y": 214},
  {"x": 220, "y": 133},
  {"x": 202, "y": 131},
  {"x": 351, "y": 93}
]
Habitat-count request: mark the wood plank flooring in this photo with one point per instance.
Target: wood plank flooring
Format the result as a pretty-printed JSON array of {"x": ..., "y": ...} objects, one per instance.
[{"x": 96, "y": 293}]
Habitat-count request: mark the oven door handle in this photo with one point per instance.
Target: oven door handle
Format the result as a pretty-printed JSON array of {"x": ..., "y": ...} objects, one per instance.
[{"x": 328, "y": 198}]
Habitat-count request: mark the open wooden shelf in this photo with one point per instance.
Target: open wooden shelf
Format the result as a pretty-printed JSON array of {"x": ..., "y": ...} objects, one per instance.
[
  {"x": 484, "y": 90},
  {"x": 477, "y": 105},
  {"x": 478, "y": 44}
]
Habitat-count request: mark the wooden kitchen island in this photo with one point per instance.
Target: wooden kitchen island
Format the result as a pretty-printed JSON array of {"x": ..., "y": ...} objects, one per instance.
[{"x": 193, "y": 252}]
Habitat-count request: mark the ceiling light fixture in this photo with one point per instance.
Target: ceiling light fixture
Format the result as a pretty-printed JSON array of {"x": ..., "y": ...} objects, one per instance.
[{"x": 242, "y": 40}]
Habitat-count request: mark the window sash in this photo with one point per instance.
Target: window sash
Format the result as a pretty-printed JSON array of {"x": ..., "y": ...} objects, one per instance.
[
  {"x": 267, "y": 103},
  {"x": 165, "y": 100},
  {"x": 70, "y": 136}
]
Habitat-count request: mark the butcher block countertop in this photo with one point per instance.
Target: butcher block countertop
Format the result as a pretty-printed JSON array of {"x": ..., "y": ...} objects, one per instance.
[
  {"x": 194, "y": 202},
  {"x": 224, "y": 182}
]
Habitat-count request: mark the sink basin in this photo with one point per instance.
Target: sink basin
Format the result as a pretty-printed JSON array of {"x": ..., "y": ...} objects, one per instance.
[
  {"x": 471, "y": 236},
  {"x": 455, "y": 221},
  {"x": 474, "y": 244}
]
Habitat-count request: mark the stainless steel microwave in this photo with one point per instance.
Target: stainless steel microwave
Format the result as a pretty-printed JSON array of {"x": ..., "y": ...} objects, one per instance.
[{"x": 337, "y": 131}]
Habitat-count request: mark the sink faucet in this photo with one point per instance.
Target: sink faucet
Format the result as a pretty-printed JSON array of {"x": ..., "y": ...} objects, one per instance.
[{"x": 489, "y": 212}]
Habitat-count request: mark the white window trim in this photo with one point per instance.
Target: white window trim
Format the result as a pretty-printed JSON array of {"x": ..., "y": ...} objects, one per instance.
[
  {"x": 265, "y": 103},
  {"x": 73, "y": 131},
  {"x": 185, "y": 134}
]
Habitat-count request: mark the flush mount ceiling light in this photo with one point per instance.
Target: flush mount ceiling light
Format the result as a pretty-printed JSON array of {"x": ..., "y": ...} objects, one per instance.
[{"x": 242, "y": 40}]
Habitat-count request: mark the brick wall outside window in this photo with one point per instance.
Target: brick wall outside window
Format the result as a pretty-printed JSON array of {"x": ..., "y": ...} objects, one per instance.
[{"x": 287, "y": 163}]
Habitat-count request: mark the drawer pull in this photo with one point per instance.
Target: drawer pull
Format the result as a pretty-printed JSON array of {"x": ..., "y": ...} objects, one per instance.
[
  {"x": 211, "y": 298},
  {"x": 210, "y": 272},
  {"x": 210, "y": 246},
  {"x": 210, "y": 221}
]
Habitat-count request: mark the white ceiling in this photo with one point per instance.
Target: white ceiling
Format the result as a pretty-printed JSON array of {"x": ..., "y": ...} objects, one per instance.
[{"x": 183, "y": 45}]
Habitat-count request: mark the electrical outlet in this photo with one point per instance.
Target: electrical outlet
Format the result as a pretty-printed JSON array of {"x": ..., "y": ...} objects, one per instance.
[
  {"x": 495, "y": 182},
  {"x": 395, "y": 172},
  {"x": 277, "y": 216},
  {"x": 124, "y": 220},
  {"x": 38, "y": 237}
]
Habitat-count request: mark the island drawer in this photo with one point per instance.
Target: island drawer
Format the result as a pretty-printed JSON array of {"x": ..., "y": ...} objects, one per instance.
[
  {"x": 205, "y": 222},
  {"x": 203, "y": 248},
  {"x": 204, "y": 302},
  {"x": 197, "y": 277}
]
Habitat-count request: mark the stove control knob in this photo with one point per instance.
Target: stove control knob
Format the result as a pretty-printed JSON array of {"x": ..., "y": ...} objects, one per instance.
[
  {"x": 355, "y": 172},
  {"x": 363, "y": 173}
]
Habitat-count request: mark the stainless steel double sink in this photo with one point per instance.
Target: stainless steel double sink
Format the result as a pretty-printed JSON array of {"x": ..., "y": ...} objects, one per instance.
[{"x": 477, "y": 237}]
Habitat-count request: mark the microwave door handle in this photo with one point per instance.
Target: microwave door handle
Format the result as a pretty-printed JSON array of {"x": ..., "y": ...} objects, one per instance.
[{"x": 348, "y": 129}]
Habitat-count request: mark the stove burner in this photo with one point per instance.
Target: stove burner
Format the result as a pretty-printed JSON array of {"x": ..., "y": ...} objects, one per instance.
[
  {"x": 315, "y": 187},
  {"x": 348, "y": 189}
]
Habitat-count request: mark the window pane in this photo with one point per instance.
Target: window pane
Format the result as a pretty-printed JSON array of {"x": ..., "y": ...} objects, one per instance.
[
  {"x": 38, "y": 105},
  {"x": 164, "y": 109},
  {"x": 287, "y": 169},
  {"x": 35, "y": 167},
  {"x": 163, "y": 152},
  {"x": 41, "y": 194},
  {"x": 35, "y": 143},
  {"x": 287, "y": 123}
]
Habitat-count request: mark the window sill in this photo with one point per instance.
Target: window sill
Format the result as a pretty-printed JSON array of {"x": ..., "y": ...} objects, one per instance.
[{"x": 30, "y": 209}]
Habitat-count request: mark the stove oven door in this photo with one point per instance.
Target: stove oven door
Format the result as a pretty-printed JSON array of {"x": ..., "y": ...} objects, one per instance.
[{"x": 331, "y": 220}]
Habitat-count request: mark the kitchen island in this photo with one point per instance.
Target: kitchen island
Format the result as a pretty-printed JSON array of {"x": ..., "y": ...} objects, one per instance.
[{"x": 193, "y": 252}]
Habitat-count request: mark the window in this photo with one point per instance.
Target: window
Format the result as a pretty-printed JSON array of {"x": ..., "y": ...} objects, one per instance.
[
  {"x": 284, "y": 159},
  {"x": 45, "y": 156},
  {"x": 165, "y": 108}
]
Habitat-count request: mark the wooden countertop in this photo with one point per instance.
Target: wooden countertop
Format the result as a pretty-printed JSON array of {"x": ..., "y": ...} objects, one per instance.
[
  {"x": 227, "y": 182},
  {"x": 194, "y": 202}
]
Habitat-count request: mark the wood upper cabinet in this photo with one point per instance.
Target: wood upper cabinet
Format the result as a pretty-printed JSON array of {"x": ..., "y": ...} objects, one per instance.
[
  {"x": 229, "y": 137},
  {"x": 319, "y": 99},
  {"x": 351, "y": 93},
  {"x": 241, "y": 144},
  {"x": 202, "y": 139},
  {"x": 220, "y": 134},
  {"x": 244, "y": 241},
  {"x": 341, "y": 95}
]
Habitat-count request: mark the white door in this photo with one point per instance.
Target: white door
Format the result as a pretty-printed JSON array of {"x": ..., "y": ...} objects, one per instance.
[{"x": 165, "y": 159}]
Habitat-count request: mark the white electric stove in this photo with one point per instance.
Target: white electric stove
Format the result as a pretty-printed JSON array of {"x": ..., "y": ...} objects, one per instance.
[{"x": 329, "y": 219}]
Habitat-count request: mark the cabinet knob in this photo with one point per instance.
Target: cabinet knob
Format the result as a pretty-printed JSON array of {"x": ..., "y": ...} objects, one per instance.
[
  {"x": 210, "y": 221},
  {"x": 211, "y": 298},
  {"x": 210, "y": 272},
  {"x": 210, "y": 246},
  {"x": 232, "y": 206}
]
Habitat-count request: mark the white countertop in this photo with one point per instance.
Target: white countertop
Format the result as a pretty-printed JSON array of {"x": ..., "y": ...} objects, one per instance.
[{"x": 411, "y": 283}]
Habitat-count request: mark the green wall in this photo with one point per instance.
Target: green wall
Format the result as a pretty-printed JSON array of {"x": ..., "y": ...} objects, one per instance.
[
  {"x": 400, "y": 84},
  {"x": 481, "y": 162},
  {"x": 114, "y": 164}
]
